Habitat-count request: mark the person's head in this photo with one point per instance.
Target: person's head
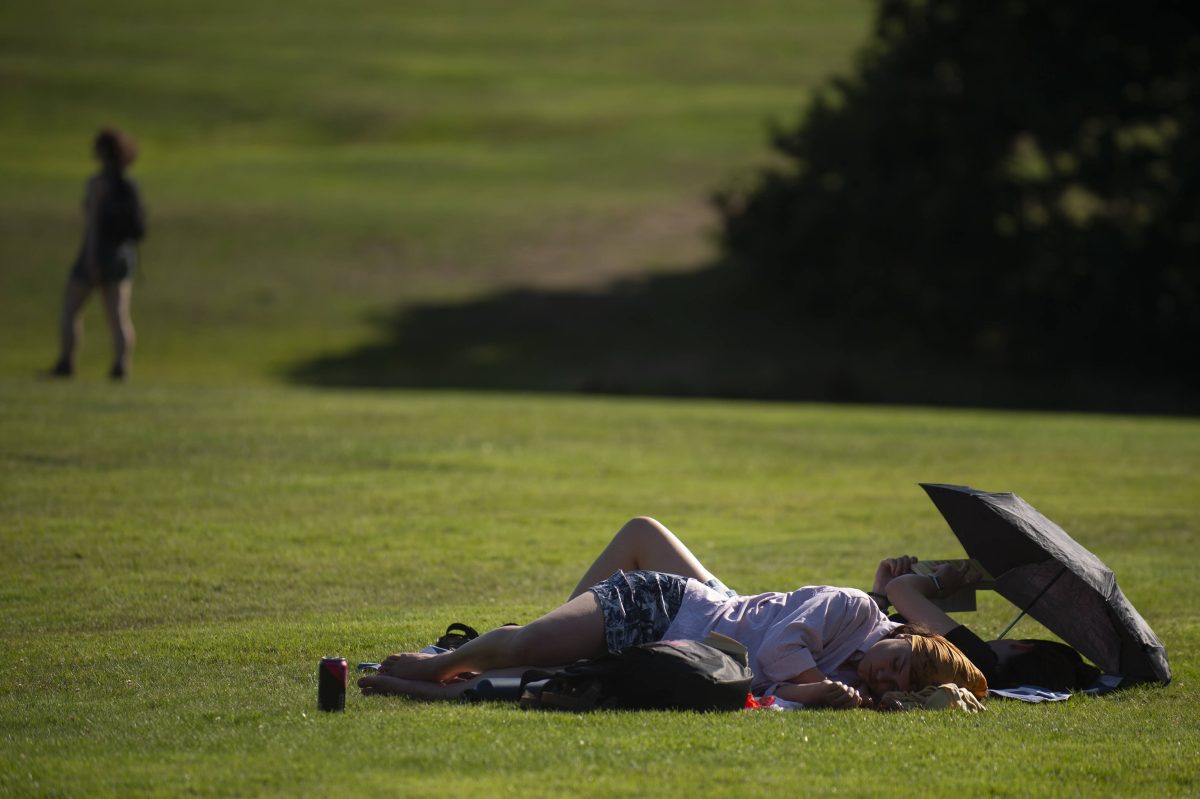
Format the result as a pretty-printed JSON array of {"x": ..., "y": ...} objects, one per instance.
[
  {"x": 913, "y": 658},
  {"x": 1048, "y": 664},
  {"x": 114, "y": 148}
]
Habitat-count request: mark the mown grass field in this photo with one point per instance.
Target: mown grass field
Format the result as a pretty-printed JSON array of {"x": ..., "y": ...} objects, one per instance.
[
  {"x": 309, "y": 168},
  {"x": 176, "y": 560},
  {"x": 177, "y": 553}
]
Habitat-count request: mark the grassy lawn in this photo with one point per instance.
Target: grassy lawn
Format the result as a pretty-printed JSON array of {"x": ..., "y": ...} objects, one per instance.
[
  {"x": 177, "y": 553},
  {"x": 308, "y": 167},
  {"x": 176, "y": 560}
]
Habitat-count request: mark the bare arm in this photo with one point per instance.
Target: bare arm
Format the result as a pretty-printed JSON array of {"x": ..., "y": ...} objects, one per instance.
[
  {"x": 910, "y": 594},
  {"x": 888, "y": 570},
  {"x": 812, "y": 688}
]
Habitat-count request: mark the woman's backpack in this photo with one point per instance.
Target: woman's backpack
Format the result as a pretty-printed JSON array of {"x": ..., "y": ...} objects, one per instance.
[{"x": 663, "y": 675}]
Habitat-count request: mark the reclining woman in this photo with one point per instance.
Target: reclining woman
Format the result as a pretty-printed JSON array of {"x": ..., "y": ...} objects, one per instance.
[
  {"x": 644, "y": 543},
  {"x": 817, "y": 645}
]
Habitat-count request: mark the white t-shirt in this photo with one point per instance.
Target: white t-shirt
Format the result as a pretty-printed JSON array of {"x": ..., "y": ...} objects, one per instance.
[{"x": 816, "y": 626}]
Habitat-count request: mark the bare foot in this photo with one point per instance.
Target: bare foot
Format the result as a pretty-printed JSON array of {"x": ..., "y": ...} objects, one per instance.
[
  {"x": 401, "y": 662},
  {"x": 416, "y": 666}
]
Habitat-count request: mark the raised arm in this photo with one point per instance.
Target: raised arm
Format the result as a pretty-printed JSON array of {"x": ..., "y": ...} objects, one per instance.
[
  {"x": 910, "y": 594},
  {"x": 888, "y": 570}
]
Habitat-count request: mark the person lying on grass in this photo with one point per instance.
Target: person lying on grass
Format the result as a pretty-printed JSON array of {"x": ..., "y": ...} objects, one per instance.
[
  {"x": 817, "y": 645},
  {"x": 1005, "y": 664},
  {"x": 644, "y": 543}
]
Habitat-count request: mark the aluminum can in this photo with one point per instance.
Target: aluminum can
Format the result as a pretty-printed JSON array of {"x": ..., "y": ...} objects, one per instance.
[{"x": 332, "y": 675}]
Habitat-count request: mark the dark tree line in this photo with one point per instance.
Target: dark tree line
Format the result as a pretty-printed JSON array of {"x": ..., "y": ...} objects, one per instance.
[{"x": 1017, "y": 181}]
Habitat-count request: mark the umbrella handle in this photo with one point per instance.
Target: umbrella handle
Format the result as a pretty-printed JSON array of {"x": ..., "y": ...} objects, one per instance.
[{"x": 1021, "y": 615}]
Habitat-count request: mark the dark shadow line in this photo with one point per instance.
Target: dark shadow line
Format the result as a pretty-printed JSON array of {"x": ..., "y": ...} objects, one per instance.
[{"x": 701, "y": 333}]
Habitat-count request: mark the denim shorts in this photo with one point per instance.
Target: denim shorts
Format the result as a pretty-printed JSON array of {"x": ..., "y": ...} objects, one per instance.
[
  {"x": 720, "y": 587},
  {"x": 114, "y": 266},
  {"x": 639, "y": 606}
]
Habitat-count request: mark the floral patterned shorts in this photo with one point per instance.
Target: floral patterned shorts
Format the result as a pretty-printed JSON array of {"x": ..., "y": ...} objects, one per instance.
[{"x": 639, "y": 606}]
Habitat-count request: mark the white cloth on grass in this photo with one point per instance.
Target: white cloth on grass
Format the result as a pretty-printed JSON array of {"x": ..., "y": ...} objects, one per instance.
[
  {"x": 1031, "y": 693},
  {"x": 1035, "y": 693}
]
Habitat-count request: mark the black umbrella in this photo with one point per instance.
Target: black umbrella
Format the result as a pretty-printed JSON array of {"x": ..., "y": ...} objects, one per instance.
[{"x": 1050, "y": 576}]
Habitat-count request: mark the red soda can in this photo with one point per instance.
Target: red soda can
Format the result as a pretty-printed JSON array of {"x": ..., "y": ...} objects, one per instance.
[{"x": 332, "y": 674}]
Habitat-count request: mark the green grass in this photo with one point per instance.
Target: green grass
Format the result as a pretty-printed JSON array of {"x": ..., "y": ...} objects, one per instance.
[
  {"x": 308, "y": 167},
  {"x": 176, "y": 560},
  {"x": 177, "y": 553}
]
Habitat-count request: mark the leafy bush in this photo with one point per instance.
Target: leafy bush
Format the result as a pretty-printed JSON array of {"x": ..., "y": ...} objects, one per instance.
[{"x": 1014, "y": 180}]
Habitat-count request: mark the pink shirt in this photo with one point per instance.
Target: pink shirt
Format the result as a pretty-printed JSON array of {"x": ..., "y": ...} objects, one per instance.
[{"x": 816, "y": 626}]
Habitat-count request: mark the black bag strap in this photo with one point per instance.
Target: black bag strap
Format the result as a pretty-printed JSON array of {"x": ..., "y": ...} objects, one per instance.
[{"x": 456, "y": 635}]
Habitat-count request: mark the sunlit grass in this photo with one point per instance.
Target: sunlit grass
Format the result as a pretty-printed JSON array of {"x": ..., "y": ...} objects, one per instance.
[
  {"x": 309, "y": 166},
  {"x": 177, "y": 553},
  {"x": 174, "y": 562}
]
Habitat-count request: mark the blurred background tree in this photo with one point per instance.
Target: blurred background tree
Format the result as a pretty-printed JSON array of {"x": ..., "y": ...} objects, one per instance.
[{"x": 1013, "y": 181}]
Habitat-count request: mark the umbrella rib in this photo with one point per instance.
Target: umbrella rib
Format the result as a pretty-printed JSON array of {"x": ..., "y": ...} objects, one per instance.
[{"x": 1031, "y": 604}]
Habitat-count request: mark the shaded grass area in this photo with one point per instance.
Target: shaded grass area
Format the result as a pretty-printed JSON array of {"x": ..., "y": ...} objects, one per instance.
[
  {"x": 174, "y": 561},
  {"x": 701, "y": 332}
]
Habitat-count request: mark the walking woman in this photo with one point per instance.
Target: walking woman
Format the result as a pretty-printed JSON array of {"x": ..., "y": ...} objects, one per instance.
[
  {"x": 114, "y": 222},
  {"x": 817, "y": 645}
]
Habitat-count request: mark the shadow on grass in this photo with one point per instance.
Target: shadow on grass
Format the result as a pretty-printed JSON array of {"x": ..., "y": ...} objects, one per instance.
[{"x": 692, "y": 334}]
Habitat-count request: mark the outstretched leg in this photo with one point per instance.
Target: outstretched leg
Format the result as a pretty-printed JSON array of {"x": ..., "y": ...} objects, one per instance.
[
  {"x": 643, "y": 543},
  {"x": 381, "y": 684},
  {"x": 571, "y": 632}
]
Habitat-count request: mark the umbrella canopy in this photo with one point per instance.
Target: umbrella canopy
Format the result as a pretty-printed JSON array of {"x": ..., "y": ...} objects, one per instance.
[{"x": 1045, "y": 572}]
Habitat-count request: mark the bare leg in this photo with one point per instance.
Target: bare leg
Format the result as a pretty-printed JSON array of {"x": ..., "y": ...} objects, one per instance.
[
  {"x": 382, "y": 684},
  {"x": 570, "y": 632},
  {"x": 116, "y": 305},
  {"x": 71, "y": 325},
  {"x": 643, "y": 543},
  {"x": 420, "y": 689}
]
